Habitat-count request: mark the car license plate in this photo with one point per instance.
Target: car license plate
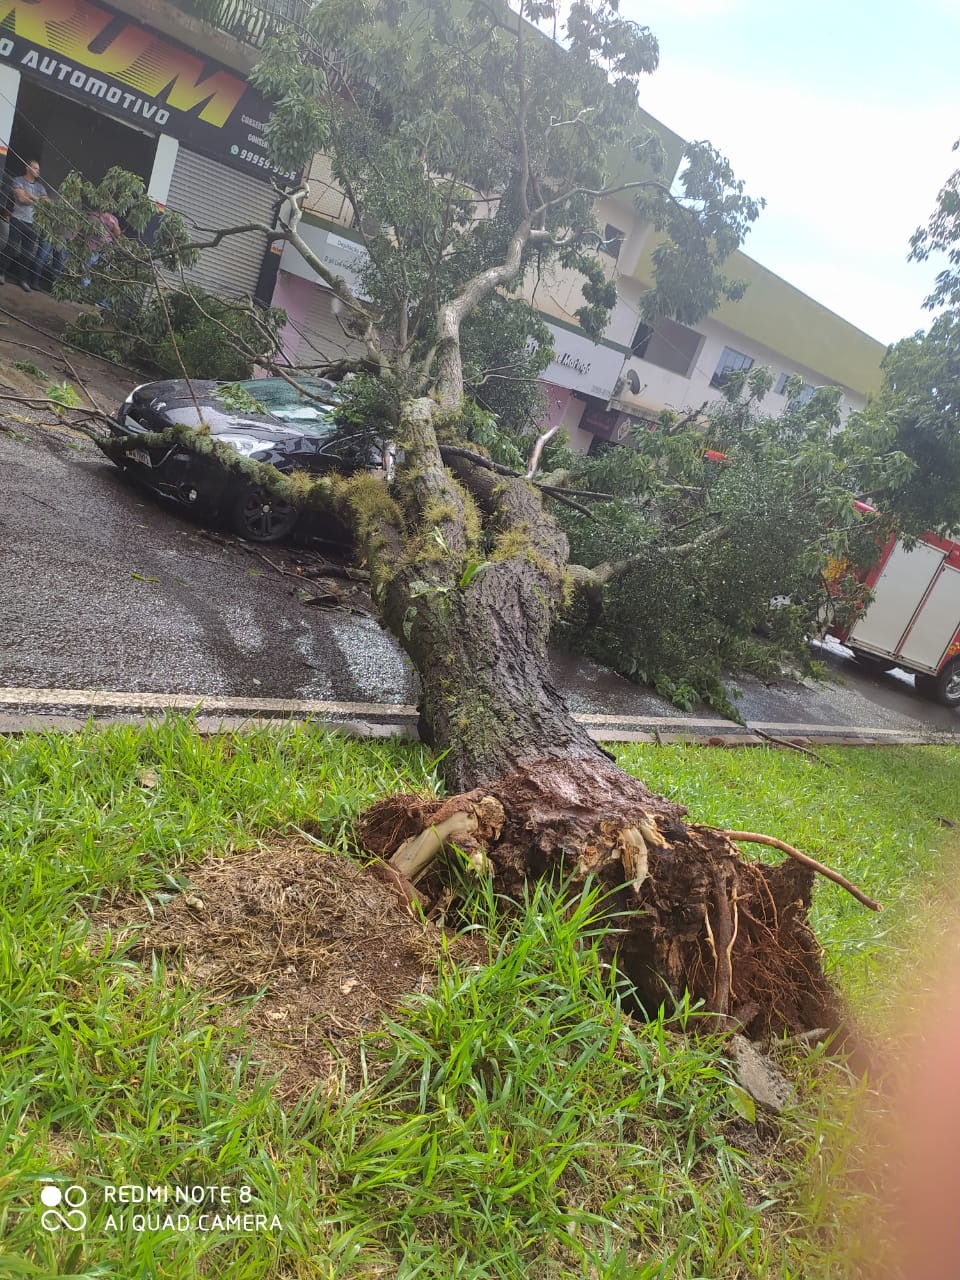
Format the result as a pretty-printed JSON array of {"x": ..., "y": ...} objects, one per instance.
[{"x": 141, "y": 456}]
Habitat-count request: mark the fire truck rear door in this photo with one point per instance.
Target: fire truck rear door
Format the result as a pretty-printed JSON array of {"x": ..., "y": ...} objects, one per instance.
[
  {"x": 901, "y": 587},
  {"x": 936, "y": 624}
]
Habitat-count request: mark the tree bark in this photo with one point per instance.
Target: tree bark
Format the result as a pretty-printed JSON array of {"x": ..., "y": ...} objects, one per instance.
[{"x": 489, "y": 697}]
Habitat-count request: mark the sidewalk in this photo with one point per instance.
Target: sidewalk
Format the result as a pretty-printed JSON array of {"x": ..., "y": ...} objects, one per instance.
[
  {"x": 21, "y": 315},
  {"x": 24, "y": 710}
]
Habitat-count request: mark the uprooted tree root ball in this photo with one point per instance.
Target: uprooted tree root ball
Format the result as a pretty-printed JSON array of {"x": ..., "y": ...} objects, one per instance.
[{"x": 687, "y": 913}]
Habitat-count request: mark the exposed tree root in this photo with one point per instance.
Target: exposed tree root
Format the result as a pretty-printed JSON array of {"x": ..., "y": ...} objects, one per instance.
[
  {"x": 750, "y": 837},
  {"x": 415, "y": 855},
  {"x": 688, "y": 914}
]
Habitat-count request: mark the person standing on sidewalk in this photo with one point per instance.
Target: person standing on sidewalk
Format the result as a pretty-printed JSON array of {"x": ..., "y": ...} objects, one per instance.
[{"x": 22, "y": 243}]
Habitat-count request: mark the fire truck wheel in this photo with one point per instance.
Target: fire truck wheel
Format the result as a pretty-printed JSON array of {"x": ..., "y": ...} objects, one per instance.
[
  {"x": 872, "y": 661},
  {"x": 948, "y": 684},
  {"x": 944, "y": 687}
]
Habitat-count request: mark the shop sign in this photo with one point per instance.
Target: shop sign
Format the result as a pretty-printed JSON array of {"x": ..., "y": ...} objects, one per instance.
[
  {"x": 97, "y": 56},
  {"x": 581, "y": 364},
  {"x": 343, "y": 257}
]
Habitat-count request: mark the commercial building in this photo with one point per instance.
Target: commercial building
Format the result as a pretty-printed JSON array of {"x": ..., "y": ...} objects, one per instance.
[
  {"x": 597, "y": 389},
  {"x": 87, "y": 85}
]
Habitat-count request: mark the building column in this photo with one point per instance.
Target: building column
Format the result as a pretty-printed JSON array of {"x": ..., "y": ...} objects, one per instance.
[
  {"x": 158, "y": 187},
  {"x": 9, "y": 93}
]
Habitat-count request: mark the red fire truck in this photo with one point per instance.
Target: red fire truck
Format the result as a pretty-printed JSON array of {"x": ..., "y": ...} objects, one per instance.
[{"x": 913, "y": 620}]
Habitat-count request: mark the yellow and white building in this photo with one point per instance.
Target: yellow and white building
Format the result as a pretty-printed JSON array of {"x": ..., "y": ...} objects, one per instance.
[{"x": 87, "y": 84}]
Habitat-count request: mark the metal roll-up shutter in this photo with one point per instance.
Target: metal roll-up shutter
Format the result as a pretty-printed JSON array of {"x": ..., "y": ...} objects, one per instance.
[
  {"x": 321, "y": 337},
  {"x": 211, "y": 196}
]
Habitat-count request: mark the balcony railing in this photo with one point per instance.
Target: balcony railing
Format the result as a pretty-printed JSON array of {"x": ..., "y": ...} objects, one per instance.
[{"x": 252, "y": 21}]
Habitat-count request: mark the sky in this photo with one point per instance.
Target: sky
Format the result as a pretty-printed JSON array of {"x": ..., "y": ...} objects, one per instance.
[{"x": 841, "y": 113}]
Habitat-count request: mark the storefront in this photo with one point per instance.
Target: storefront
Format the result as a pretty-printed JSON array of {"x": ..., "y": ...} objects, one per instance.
[
  {"x": 314, "y": 333},
  {"x": 83, "y": 86},
  {"x": 582, "y": 374}
]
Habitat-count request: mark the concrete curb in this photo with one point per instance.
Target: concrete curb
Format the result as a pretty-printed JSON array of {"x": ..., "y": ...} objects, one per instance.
[{"x": 74, "y": 720}]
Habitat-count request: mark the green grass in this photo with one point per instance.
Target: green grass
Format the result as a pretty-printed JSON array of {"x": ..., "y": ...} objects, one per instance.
[
  {"x": 115, "y": 809},
  {"x": 513, "y": 1122}
]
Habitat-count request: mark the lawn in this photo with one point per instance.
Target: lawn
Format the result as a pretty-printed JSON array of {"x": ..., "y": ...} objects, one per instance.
[{"x": 506, "y": 1118}]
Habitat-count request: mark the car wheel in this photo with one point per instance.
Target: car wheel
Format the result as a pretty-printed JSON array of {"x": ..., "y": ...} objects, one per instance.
[
  {"x": 260, "y": 517},
  {"x": 873, "y": 661},
  {"x": 944, "y": 687}
]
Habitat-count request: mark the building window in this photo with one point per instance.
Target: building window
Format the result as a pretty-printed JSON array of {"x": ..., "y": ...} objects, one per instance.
[
  {"x": 787, "y": 381},
  {"x": 668, "y": 345},
  {"x": 641, "y": 340},
  {"x": 730, "y": 362},
  {"x": 612, "y": 241}
]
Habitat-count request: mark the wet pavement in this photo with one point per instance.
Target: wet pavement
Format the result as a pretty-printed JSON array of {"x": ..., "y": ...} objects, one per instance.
[{"x": 105, "y": 588}]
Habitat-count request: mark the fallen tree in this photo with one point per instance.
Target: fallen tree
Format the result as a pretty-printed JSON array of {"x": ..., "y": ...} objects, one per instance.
[
  {"x": 535, "y": 795},
  {"x": 473, "y": 153}
]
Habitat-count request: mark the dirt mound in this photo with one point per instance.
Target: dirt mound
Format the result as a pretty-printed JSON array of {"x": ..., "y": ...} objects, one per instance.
[{"x": 329, "y": 944}]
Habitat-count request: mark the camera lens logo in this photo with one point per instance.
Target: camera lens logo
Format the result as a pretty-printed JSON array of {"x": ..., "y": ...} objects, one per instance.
[{"x": 64, "y": 1208}]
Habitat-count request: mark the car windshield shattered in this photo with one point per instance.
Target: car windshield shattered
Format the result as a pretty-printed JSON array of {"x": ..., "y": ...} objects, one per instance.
[{"x": 313, "y": 412}]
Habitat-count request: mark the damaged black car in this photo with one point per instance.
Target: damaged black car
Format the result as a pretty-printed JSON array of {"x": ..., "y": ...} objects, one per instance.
[{"x": 290, "y": 425}]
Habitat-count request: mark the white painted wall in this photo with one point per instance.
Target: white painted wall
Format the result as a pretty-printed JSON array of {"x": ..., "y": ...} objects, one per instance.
[
  {"x": 663, "y": 389},
  {"x": 666, "y": 390},
  {"x": 557, "y": 294}
]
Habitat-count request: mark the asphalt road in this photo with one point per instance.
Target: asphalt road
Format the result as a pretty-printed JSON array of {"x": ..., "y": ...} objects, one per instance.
[
  {"x": 118, "y": 601},
  {"x": 106, "y": 587}
]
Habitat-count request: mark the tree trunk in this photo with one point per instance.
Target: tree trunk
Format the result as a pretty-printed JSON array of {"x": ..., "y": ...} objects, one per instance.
[
  {"x": 470, "y": 595},
  {"x": 488, "y": 698}
]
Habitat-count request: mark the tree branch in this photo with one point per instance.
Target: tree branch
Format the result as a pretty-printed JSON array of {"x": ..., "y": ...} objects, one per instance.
[
  {"x": 604, "y": 192},
  {"x": 702, "y": 540},
  {"x": 565, "y": 496},
  {"x": 217, "y": 237},
  {"x": 453, "y": 313},
  {"x": 289, "y": 233},
  {"x": 336, "y": 283},
  {"x": 522, "y": 119},
  {"x": 534, "y": 464}
]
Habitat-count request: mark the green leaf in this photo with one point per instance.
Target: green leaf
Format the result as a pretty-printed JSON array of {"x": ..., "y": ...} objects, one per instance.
[
  {"x": 742, "y": 1103},
  {"x": 471, "y": 571}
]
